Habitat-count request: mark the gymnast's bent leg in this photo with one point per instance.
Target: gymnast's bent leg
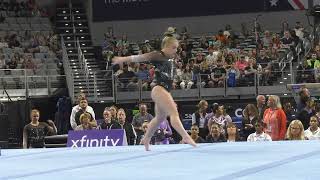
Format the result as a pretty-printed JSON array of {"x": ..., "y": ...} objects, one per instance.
[{"x": 165, "y": 106}]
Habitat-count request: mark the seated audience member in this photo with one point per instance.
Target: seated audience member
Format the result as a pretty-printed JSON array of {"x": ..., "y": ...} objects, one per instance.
[
  {"x": 215, "y": 134},
  {"x": 250, "y": 117},
  {"x": 163, "y": 133},
  {"x": 232, "y": 132},
  {"x": 307, "y": 112},
  {"x": 140, "y": 118},
  {"x": 85, "y": 122},
  {"x": 295, "y": 131},
  {"x": 259, "y": 135},
  {"x": 108, "y": 122},
  {"x": 313, "y": 132},
  {"x": 35, "y": 132},
  {"x": 84, "y": 109},
  {"x": 199, "y": 119},
  {"x": 130, "y": 132},
  {"x": 195, "y": 134},
  {"x": 144, "y": 129},
  {"x": 114, "y": 112},
  {"x": 75, "y": 109}
]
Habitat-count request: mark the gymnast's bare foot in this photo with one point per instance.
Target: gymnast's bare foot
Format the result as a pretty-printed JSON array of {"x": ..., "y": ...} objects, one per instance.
[{"x": 146, "y": 142}]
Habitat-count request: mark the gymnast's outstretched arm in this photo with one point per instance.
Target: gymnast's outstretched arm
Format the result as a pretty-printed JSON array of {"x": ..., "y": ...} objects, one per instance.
[{"x": 135, "y": 58}]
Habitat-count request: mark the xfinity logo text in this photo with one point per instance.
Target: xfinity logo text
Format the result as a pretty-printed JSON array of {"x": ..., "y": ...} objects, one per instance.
[
  {"x": 85, "y": 142},
  {"x": 96, "y": 138}
]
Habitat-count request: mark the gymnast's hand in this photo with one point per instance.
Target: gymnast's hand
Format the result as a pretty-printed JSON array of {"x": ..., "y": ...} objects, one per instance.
[{"x": 118, "y": 60}]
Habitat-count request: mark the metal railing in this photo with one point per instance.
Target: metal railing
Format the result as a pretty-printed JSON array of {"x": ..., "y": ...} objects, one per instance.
[
  {"x": 68, "y": 70},
  {"x": 19, "y": 84},
  {"x": 83, "y": 64}
]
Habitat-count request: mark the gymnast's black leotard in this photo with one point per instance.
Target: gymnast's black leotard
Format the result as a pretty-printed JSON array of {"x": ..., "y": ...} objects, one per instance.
[{"x": 163, "y": 70}]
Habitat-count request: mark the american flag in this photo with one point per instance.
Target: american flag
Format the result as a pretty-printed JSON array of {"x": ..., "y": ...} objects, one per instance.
[{"x": 278, "y": 5}]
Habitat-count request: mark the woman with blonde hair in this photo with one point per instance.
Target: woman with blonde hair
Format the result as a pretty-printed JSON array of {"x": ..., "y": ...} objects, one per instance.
[
  {"x": 275, "y": 119},
  {"x": 164, "y": 103},
  {"x": 295, "y": 131}
]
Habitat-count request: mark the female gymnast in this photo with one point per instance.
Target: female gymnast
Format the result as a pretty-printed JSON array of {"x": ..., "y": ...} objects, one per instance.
[{"x": 164, "y": 104}]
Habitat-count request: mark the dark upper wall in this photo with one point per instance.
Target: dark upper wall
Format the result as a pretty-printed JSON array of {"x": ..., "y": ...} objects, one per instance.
[{"x": 146, "y": 29}]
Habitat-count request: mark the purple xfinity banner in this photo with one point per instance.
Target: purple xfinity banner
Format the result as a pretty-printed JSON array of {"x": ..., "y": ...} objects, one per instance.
[{"x": 96, "y": 138}]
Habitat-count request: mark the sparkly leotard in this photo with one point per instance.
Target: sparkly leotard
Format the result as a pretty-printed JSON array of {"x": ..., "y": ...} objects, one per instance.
[{"x": 163, "y": 70}]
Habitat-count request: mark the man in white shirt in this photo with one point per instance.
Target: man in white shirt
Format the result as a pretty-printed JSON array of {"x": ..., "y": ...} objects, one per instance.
[
  {"x": 259, "y": 135},
  {"x": 313, "y": 132},
  {"x": 212, "y": 57},
  {"x": 83, "y": 105}
]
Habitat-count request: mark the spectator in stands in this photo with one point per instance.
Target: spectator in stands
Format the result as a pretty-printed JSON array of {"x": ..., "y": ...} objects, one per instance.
[
  {"x": 114, "y": 111},
  {"x": 83, "y": 109},
  {"x": 218, "y": 74},
  {"x": 250, "y": 117},
  {"x": 148, "y": 46},
  {"x": 35, "y": 132},
  {"x": 163, "y": 133},
  {"x": 13, "y": 64},
  {"x": 276, "y": 43},
  {"x": 313, "y": 132},
  {"x": 140, "y": 118},
  {"x": 275, "y": 119},
  {"x": 186, "y": 78},
  {"x": 144, "y": 129},
  {"x": 313, "y": 62},
  {"x": 144, "y": 76},
  {"x": 28, "y": 63},
  {"x": 85, "y": 124},
  {"x": 129, "y": 130},
  {"x": 250, "y": 72},
  {"x": 205, "y": 75},
  {"x": 264, "y": 67},
  {"x": 108, "y": 122},
  {"x": 177, "y": 77},
  {"x": 259, "y": 135},
  {"x": 199, "y": 119},
  {"x": 290, "y": 114},
  {"x": 305, "y": 73},
  {"x": 199, "y": 58},
  {"x": 261, "y": 105},
  {"x": 82, "y": 104},
  {"x": 304, "y": 96},
  {"x": 267, "y": 39},
  {"x": 241, "y": 64},
  {"x": 195, "y": 134},
  {"x": 212, "y": 57},
  {"x": 221, "y": 37},
  {"x": 232, "y": 134},
  {"x": 13, "y": 41},
  {"x": 295, "y": 131},
  {"x": 299, "y": 30},
  {"x": 219, "y": 117},
  {"x": 233, "y": 75},
  {"x": 287, "y": 41},
  {"x": 306, "y": 113},
  {"x": 125, "y": 77},
  {"x": 215, "y": 134},
  {"x": 317, "y": 71}
]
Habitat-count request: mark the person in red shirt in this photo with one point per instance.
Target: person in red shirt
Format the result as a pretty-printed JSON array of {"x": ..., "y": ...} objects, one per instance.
[{"x": 275, "y": 119}]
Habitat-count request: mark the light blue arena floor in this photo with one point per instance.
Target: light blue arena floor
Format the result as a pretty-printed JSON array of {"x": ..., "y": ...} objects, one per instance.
[{"x": 266, "y": 160}]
